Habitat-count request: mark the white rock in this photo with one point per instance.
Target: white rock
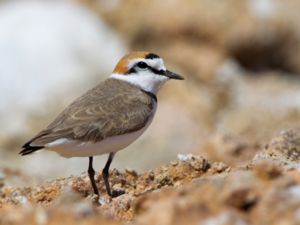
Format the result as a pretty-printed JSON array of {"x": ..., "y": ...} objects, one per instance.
[
  {"x": 185, "y": 157},
  {"x": 262, "y": 8},
  {"x": 48, "y": 49}
]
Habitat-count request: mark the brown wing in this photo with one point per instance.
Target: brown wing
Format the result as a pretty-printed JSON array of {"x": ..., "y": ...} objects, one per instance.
[{"x": 112, "y": 108}]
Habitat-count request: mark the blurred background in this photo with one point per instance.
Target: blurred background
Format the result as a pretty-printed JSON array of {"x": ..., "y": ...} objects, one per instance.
[{"x": 240, "y": 58}]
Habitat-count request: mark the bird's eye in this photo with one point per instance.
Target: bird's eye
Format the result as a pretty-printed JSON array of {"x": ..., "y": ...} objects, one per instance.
[{"x": 142, "y": 65}]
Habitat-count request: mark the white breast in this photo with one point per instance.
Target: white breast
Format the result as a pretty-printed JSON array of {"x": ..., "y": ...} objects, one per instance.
[{"x": 72, "y": 148}]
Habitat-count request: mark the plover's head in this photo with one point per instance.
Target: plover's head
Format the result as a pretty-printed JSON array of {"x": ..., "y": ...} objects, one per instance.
[{"x": 145, "y": 70}]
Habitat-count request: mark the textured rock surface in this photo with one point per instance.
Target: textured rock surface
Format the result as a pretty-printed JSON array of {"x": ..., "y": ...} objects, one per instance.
[
  {"x": 189, "y": 190},
  {"x": 283, "y": 149}
]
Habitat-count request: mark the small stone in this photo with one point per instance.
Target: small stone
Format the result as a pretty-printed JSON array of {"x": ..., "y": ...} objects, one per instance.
[
  {"x": 132, "y": 172},
  {"x": 185, "y": 157},
  {"x": 219, "y": 167},
  {"x": 163, "y": 180},
  {"x": 151, "y": 175},
  {"x": 174, "y": 163},
  {"x": 200, "y": 164},
  {"x": 103, "y": 201}
]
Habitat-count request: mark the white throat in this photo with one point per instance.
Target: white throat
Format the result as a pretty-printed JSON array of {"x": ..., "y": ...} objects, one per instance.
[{"x": 145, "y": 80}]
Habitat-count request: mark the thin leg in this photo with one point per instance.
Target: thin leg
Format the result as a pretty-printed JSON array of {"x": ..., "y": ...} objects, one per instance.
[
  {"x": 91, "y": 173},
  {"x": 105, "y": 173}
]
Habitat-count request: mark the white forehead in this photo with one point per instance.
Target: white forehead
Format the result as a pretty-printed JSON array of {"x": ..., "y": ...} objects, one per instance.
[{"x": 156, "y": 63}]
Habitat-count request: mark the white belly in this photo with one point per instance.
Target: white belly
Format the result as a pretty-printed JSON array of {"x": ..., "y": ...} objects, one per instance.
[{"x": 71, "y": 148}]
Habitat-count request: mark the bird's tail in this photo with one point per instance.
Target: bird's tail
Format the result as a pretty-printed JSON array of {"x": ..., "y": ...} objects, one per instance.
[{"x": 28, "y": 149}]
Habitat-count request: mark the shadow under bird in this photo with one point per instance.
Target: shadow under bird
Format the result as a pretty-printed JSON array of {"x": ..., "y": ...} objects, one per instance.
[{"x": 108, "y": 117}]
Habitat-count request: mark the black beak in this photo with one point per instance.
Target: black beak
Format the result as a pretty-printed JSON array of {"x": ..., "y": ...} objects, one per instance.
[{"x": 172, "y": 75}]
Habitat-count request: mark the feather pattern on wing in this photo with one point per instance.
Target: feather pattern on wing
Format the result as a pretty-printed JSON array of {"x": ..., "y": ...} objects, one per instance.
[{"x": 112, "y": 108}]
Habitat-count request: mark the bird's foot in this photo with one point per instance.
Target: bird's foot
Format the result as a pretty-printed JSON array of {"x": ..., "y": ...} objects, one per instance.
[{"x": 95, "y": 199}]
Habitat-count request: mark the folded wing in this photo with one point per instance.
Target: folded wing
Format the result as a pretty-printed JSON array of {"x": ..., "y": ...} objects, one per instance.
[{"x": 112, "y": 108}]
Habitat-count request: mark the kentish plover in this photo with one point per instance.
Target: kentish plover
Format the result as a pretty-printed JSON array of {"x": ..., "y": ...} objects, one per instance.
[{"x": 108, "y": 117}]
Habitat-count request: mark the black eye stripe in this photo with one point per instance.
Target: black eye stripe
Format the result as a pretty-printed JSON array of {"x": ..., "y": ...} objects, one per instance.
[
  {"x": 156, "y": 71},
  {"x": 135, "y": 68}
]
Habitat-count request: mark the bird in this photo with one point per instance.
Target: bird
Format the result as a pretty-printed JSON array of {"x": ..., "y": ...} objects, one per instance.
[{"x": 109, "y": 117}]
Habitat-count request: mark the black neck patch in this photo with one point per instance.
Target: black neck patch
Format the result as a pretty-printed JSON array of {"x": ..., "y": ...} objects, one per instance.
[
  {"x": 153, "y": 96},
  {"x": 152, "y": 56}
]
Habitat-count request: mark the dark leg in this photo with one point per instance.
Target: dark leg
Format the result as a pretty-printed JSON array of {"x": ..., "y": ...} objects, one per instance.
[
  {"x": 91, "y": 173},
  {"x": 105, "y": 173}
]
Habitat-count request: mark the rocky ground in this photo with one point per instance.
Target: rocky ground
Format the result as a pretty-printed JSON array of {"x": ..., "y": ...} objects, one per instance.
[{"x": 188, "y": 190}]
